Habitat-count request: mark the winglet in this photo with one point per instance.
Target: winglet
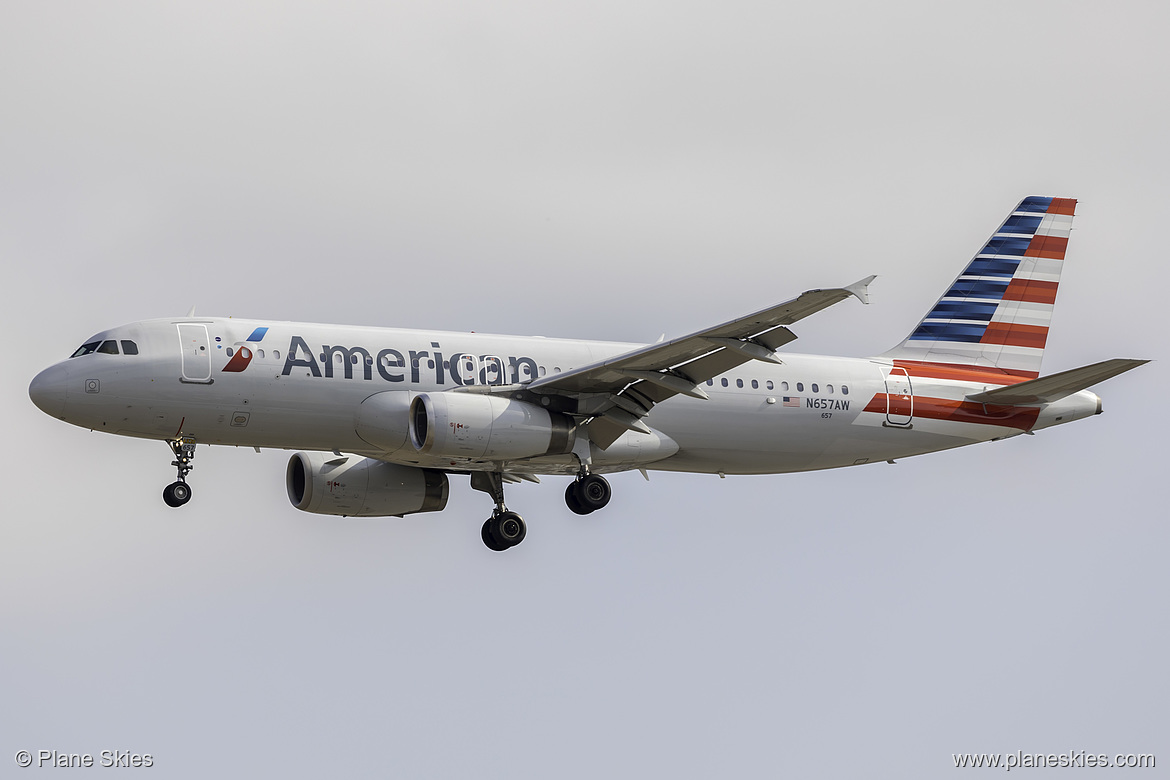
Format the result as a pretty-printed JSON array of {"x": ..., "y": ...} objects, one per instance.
[{"x": 860, "y": 290}]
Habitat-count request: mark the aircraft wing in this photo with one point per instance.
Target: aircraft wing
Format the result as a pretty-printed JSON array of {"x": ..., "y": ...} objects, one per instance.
[{"x": 618, "y": 391}]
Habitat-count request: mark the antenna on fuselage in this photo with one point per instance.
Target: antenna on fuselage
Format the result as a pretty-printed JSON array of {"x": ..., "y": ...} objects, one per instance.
[{"x": 191, "y": 311}]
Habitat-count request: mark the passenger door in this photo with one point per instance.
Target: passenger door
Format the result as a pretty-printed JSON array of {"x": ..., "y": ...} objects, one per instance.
[
  {"x": 195, "y": 347},
  {"x": 899, "y": 398}
]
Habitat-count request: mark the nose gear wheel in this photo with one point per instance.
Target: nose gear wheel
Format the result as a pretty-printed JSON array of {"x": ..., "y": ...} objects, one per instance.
[{"x": 179, "y": 492}]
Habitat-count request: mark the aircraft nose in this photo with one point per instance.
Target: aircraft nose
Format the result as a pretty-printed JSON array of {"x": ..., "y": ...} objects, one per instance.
[{"x": 47, "y": 390}]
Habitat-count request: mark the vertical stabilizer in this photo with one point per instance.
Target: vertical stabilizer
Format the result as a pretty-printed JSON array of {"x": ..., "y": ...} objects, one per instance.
[{"x": 996, "y": 313}]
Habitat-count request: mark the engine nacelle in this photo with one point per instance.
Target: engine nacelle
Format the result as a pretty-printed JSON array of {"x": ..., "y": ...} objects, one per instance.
[
  {"x": 471, "y": 425},
  {"x": 353, "y": 486},
  {"x": 383, "y": 420}
]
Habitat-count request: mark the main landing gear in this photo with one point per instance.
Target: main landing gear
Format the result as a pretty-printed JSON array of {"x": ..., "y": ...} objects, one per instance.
[
  {"x": 588, "y": 493},
  {"x": 504, "y": 529},
  {"x": 179, "y": 492}
]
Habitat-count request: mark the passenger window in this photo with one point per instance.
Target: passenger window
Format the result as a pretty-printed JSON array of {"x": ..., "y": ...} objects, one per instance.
[
  {"x": 543, "y": 371},
  {"x": 85, "y": 349},
  {"x": 710, "y": 382},
  {"x": 815, "y": 389},
  {"x": 129, "y": 347},
  {"x": 844, "y": 389},
  {"x": 770, "y": 385},
  {"x": 739, "y": 383},
  {"x": 800, "y": 387},
  {"x": 260, "y": 354},
  {"x": 353, "y": 358},
  {"x": 755, "y": 385},
  {"x": 108, "y": 348},
  {"x": 229, "y": 351},
  {"x": 276, "y": 354},
  {"x": 723, "y": 381},
  {"x": 829, "y": 389},
  {"x": 784, "y": 386}
]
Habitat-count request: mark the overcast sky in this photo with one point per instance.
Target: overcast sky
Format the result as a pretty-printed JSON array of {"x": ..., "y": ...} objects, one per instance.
[{"x": 597, "y": 170}]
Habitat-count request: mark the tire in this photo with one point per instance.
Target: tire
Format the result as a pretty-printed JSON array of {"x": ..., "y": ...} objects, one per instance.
[
  {"x": 572, "y": 501},
  {"x": 593, "y": 492},
  {"x": 507, "y": 529},
  {"x": 489, "y": 540},
  {"x": 176, "y": 494}
]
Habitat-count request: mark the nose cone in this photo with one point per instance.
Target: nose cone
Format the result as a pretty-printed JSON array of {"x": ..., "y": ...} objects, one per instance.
[{"x": 47, "y": 390}]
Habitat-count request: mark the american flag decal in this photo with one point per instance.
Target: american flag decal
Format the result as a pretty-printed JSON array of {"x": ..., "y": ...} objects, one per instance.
[{"x": 792, "y": 400}]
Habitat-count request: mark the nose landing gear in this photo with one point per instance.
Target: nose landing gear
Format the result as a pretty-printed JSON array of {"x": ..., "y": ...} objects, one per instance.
[{"x": 179, "y": 492}]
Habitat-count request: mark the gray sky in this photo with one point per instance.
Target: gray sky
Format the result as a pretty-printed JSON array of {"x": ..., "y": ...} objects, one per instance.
[{"x": 597, "y": 170}]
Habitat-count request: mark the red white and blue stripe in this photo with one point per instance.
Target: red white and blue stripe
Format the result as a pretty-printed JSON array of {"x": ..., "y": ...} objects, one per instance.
[{"x": 996, "y": 314}]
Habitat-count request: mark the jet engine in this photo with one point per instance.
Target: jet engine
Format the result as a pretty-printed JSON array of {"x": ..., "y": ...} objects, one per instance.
[
  {"x": 349, "y": 485},
  {"x": 470, "y": 425}
]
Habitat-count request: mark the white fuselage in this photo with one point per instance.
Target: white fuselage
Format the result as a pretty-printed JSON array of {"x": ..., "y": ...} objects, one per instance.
[{"x": 304, "y": 386}]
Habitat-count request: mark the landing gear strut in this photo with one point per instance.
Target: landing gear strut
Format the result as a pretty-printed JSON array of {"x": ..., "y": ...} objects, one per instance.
[
  {"x": 588, "y": 493},
  {"x": 504, "y": 529},
  {"x": 179, "y": 492}
]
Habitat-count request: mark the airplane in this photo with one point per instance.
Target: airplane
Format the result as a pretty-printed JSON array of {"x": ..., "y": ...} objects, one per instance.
[{"x": 381, "y": 417}]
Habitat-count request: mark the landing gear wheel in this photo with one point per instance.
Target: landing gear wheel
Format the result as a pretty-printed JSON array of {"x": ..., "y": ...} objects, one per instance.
[
  {"x": 176, "y": 494},
  {"x": 508, "y": 529},
  {"x": 593, "y": 492},
  {"x": 179, "y": 492},
  {"x": 485, "y": 533},
  {"x": 573, "y": 501}
]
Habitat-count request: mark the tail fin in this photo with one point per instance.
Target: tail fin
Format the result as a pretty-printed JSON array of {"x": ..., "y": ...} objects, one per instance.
[{"x": 996, "y": 313}]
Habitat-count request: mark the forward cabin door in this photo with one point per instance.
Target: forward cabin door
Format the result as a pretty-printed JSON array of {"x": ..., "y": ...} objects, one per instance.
[
  {"x": 196, "y": 352},
  {"x": 899, "y": 398}
]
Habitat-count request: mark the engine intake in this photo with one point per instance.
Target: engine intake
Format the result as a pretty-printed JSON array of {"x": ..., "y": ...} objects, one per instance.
[
  {"x": 349, "y": 485},
  {"x": 467, "y": 425}
]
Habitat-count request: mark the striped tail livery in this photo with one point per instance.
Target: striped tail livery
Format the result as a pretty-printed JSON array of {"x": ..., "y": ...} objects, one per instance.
[{"x": 996, "y": 314}]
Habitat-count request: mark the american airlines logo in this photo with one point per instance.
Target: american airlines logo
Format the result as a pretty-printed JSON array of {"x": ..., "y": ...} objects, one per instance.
[{"x": 243, "y": 355}]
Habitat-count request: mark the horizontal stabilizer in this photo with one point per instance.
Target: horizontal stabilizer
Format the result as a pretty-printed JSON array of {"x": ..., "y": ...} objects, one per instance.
[{"x": 1052, "y": 388}]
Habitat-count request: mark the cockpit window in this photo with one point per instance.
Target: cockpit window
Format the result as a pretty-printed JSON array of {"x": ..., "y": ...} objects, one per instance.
[
  {"x": 85, "y": 349},
  {"x": 129, "y": 347},
  {"x": 108, "y": 348}
]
